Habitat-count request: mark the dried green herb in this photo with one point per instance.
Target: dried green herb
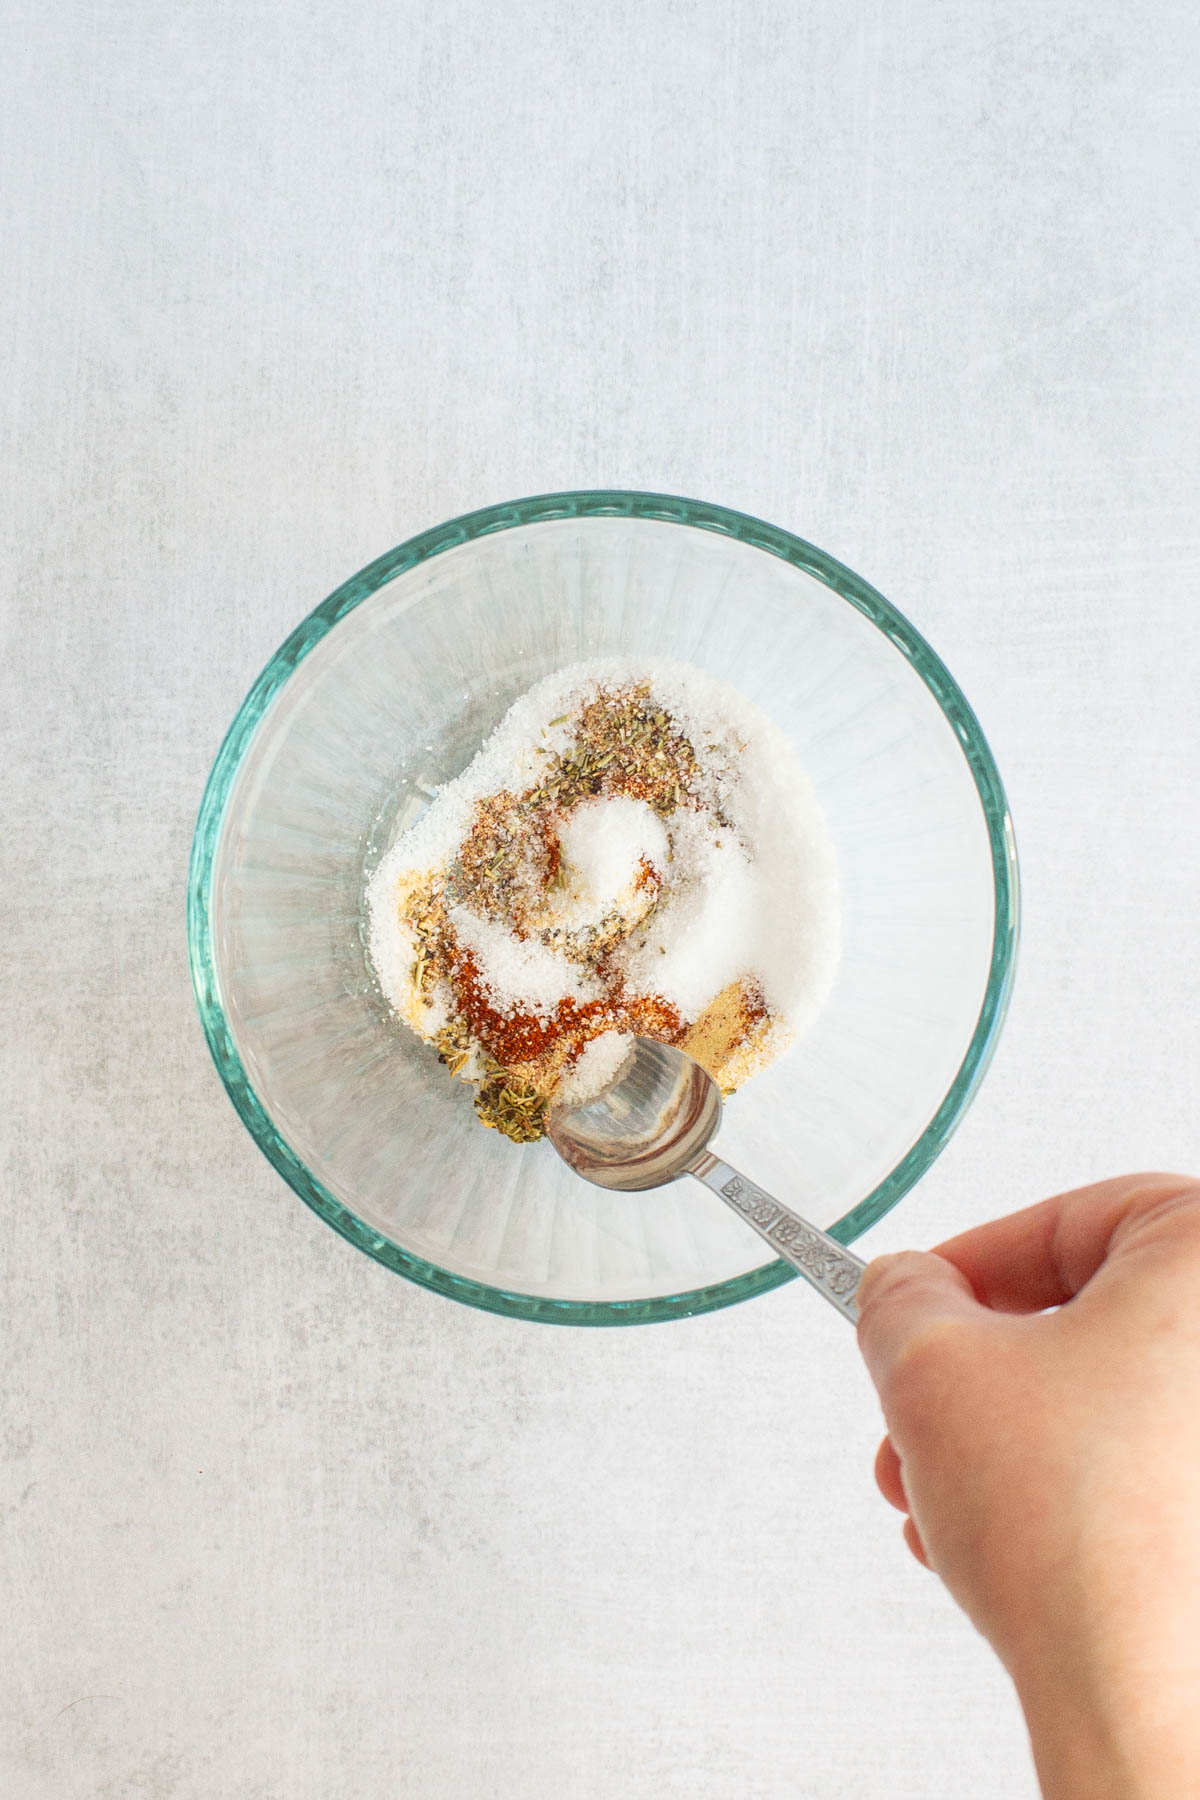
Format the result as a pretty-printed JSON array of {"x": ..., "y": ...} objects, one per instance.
[{"x": 510, "y": 1107}]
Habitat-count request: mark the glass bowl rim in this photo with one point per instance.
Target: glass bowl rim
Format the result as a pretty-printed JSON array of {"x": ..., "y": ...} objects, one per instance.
[{"x": 591, "y": 504}]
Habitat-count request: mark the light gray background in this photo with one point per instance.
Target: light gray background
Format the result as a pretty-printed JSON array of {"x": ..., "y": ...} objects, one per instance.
[{"x": 285, "y": 283}]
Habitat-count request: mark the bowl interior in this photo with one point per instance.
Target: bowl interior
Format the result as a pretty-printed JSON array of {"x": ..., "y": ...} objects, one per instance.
[{"x": 350, "y": 732}]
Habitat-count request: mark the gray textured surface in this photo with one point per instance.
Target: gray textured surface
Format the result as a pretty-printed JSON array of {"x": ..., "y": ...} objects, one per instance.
[{"x": 284, "y": 284}]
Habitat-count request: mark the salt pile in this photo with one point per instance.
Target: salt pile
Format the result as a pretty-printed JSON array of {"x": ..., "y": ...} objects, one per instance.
[
  {"x": 634, "y": 849},
  {"x": 599, "y": 1062}
]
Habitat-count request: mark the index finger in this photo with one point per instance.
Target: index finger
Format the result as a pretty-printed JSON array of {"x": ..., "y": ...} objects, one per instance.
[{"x": 1042, "y": 1255}]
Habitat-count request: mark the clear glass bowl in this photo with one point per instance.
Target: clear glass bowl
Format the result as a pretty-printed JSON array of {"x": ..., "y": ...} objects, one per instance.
[{"x": 387, "y": 689}]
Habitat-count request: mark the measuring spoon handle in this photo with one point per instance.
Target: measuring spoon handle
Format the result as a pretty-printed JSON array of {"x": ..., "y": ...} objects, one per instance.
[{"x": 824, "y": 1263}]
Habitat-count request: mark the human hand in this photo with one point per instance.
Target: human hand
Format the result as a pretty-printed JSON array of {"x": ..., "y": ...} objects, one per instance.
[{"x": 1049, "y": 1464}]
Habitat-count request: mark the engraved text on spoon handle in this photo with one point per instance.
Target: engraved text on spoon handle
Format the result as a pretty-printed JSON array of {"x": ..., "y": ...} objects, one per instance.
[{"x": 828, "y": 1265}]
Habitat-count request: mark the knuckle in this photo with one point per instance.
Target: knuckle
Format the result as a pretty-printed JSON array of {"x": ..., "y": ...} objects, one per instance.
[{"x": 928, "y": 1365}]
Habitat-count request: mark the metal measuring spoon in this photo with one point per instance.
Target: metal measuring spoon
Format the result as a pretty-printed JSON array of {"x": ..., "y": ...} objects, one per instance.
[{"x": 652, "y": 1123}]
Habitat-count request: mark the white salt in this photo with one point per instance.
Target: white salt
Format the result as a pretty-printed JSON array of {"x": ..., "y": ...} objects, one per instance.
[
  {"x": 755, "y": 898},
  {"x": 599, "y": 1062},
  {"x": 603, "y": 843},
  {"x": 702, "y": 935},
  {"x": 521, "y": 974}
]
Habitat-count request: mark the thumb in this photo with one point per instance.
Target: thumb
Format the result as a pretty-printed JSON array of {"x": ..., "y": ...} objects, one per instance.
[{"x": 900, "y": 1298}]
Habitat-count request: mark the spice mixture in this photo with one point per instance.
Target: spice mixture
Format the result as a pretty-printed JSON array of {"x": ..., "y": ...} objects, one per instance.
[{"x": 634, "y": 851}]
